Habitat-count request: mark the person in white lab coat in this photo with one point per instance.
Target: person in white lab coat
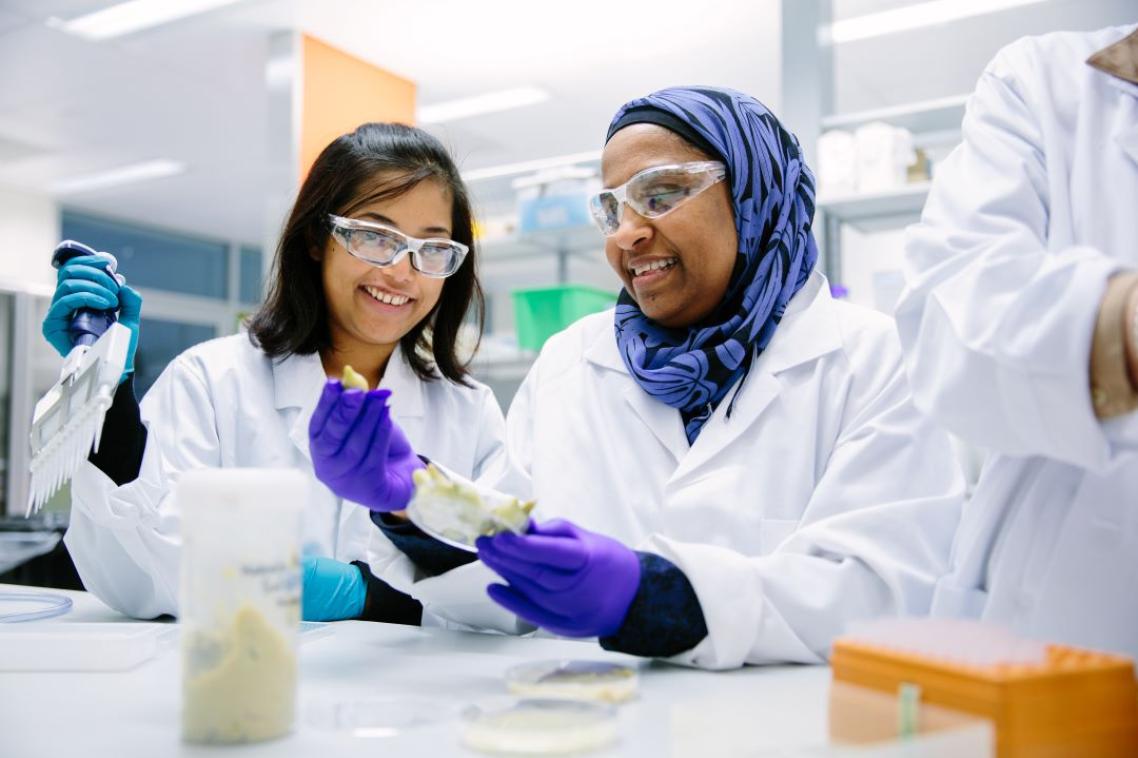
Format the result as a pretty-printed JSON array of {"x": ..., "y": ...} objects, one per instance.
[
  {"x": 750, "y": 436},
  {"x": 345, "y": 292},
  {"x": 1020, "y": 328}
]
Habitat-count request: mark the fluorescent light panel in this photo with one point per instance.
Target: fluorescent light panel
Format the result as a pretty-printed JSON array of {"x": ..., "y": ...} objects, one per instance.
[
  {"x": 135, "y": 172},
  {"x": 133, "y": 16},
  {"x": 509, "y": 169},
  {"x": 491, "y": 102},
  {"x": 915, "y": 17}
]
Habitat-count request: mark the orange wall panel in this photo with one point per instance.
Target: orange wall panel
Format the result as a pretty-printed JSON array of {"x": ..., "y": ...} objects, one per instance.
[{"x": 340, "y": 92}]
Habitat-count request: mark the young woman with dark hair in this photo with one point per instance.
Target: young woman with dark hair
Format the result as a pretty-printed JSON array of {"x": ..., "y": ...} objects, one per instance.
[{"x": 375, "y": 270}]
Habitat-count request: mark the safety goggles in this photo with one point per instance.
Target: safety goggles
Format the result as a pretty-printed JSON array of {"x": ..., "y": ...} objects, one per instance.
[
  {"x": 382, "y": 246},
  {"x": 654, "y": 192}
]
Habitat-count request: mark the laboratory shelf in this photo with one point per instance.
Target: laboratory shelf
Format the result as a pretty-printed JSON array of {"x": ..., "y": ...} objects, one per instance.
[
  {"x": 569, "y": 241},
  {"x": 940, "y": 115},
  {"x": 859, "y": 210}
]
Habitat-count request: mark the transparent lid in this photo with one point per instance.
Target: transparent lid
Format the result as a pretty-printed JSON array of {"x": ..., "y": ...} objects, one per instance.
[
  {"x": 579, "y": 680},
  {"x": 378, "y": 717},
  {"x": 539, "y": 727},
  {"x": 32, "y": 606}
]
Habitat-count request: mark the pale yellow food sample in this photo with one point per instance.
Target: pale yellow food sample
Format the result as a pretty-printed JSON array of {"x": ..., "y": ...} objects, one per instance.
[
  {"x": 459, "y": 513},
  {"x": 353, "y": 379},
  {"x": 534, "y": 731},
  {"x": 248, "y": 694},
  {"x": 617, "y": 684}
]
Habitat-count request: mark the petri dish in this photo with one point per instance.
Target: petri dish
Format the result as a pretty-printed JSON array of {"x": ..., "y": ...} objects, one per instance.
[
  {"x": 32, "y": 606},
  {"x": 597, "y": 681},
  {"x": 539, "y": 727},
  {"x": 372, "y": 718},
  {"x": 456, "y": 514}
]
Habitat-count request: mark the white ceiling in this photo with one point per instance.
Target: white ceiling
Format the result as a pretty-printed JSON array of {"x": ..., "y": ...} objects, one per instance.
[
  {"x": 193, "y": 90},
  {"x": 188, "y": 92}
]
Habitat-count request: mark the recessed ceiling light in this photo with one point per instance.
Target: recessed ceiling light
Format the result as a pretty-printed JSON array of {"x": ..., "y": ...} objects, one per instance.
[
  {"x": 490, "y": 102},
  {"x": 135, "y": 172},
  {"x": 132, "y": 16},
  {"x": 913, "y": 17},
  {"x": 509, "y": 169}
]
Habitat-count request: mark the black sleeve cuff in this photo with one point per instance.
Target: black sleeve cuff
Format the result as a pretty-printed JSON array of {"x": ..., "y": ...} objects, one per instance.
[
  {"x": 431, "y": 556},
  {"x": 124, "y": 437},
  {"x": 387, "y": 604},
  {"x": 665, "y": 617}
]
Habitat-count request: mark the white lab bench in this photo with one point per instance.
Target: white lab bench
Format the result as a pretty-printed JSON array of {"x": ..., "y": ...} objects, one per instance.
[{"x": 755, "y": 711}]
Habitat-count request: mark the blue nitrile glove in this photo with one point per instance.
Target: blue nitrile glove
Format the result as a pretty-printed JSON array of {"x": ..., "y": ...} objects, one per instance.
[
  {"x": 358, "y": 451},
  {"x": 83, "y": 282},
  {"x": 331, "y": 590},
  {"x": 563, "y": 578}
]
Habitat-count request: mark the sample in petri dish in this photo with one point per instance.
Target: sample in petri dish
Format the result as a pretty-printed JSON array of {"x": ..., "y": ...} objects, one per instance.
[
  {"x": 456, "y": 514},
  {"x": 574, "y": 680},
  {"x": 539, "y": 727}
]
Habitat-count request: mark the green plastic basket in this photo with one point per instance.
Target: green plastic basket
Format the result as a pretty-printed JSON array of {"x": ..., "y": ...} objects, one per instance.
[{"x": 541, "y": 313}]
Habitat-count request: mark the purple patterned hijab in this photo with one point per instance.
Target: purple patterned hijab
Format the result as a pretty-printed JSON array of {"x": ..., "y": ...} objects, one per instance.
[{"x": 772, "y": 192}]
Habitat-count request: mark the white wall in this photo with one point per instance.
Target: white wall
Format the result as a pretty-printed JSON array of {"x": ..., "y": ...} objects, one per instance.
[{"x": 29, "y": 231}]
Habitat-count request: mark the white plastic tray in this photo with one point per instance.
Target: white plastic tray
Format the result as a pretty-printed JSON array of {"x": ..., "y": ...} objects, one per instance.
[{"x": 79, "y": 646}]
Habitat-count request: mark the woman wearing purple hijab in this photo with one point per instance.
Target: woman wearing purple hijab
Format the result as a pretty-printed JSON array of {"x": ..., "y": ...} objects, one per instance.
[{"x": 728, "y": 466}]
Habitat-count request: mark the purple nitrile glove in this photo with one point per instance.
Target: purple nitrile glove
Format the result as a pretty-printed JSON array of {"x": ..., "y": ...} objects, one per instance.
[
  {"x": 358, "y": 451},
  {"x": 573, "y": 582}
]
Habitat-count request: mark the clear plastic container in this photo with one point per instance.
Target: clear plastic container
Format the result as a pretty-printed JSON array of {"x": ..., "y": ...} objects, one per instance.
[{"x": 240, "y": 602}]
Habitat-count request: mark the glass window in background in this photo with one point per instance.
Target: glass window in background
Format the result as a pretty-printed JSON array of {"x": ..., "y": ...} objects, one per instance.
[
  {"x": 159, "y": 342},
  {"x": 156, "y": 258},
  {"x": 251, "y": 271}
]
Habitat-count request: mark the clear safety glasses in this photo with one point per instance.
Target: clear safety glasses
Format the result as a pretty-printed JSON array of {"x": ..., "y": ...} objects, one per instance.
[
  {"x": 654, "y": 192},
  {"x": 382, "y": 246}
]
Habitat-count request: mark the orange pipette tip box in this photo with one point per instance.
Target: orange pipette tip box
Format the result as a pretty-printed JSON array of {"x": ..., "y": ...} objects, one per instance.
[{"x": 1071, "y": 703}]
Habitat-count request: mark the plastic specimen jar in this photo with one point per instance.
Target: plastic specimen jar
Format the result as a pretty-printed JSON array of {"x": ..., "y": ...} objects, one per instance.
[{"x": 240, "y": 602}]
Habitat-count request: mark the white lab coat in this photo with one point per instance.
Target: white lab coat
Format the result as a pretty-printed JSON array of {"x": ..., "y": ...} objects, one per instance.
[
  {"x": 825, "y": 498},
  {"x": 225, "y": 403},
  {"x": 1027, "y": 220}
]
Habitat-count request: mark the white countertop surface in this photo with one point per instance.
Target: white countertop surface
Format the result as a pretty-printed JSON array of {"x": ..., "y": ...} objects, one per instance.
[{"x": 776, "y": 710}]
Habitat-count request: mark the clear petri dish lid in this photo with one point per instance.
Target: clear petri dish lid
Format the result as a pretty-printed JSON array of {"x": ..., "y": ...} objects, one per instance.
[
  {"x": 32, "y": 606},
  {"x": 379, "y": 716},
  {"x": 539, "y": 727},
  {"x": 599, "y": 681}
]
